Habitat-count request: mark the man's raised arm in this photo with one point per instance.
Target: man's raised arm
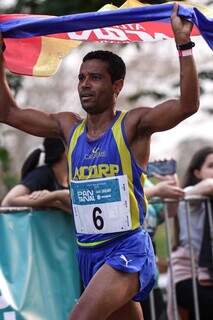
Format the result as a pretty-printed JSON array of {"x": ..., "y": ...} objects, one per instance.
[
  {"x": 169, "y": 113},
  {"x": 31, "y": 120}
]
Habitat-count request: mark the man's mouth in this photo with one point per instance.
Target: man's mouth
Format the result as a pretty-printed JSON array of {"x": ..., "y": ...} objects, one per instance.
[{"x": 86, "y": 96}]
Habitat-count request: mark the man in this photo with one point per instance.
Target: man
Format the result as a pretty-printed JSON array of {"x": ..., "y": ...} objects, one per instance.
[{"x": 107, "y": 153}]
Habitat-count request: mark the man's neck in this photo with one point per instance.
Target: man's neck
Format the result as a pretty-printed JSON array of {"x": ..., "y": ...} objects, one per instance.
[{"x": 98, "y": 124}]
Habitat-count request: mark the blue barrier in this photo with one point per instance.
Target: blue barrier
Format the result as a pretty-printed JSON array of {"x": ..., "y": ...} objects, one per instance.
[{"x": 39, "y": 276}]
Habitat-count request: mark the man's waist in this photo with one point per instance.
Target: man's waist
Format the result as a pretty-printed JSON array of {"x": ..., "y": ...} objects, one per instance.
[{"x": 94, "y": 241}]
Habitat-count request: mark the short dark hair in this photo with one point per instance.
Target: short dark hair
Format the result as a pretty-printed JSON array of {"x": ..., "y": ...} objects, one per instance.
[
  {"x": 116, "y": 66},
  {"x": 196, "y": 163}
]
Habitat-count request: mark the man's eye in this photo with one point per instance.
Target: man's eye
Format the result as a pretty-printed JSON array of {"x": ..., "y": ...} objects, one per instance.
[
  {"x": 96, "y": 77},
  {"x": 80, "y": 78}
]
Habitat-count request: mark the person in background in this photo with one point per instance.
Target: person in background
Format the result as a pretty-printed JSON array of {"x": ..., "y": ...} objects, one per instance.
[
  {"x": 45, "y": 185},
  {"x": 165, "y": 187},
  {"x": 198, "y": 182}
]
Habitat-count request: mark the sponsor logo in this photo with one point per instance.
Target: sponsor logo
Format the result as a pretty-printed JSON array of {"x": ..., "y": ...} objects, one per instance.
[
  {"x": 123, "y": 33},
  {"x": 125, "y": 259},
  {"x": 95, "y": 153},
  {"x": 96, "y": 171}
]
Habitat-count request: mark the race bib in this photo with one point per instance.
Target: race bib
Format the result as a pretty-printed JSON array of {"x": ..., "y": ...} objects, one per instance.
[{"x": 101, "y": 205}]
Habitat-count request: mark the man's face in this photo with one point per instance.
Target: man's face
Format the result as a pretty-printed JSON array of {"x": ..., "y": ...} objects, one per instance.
[{"x": 95, "y": 87}]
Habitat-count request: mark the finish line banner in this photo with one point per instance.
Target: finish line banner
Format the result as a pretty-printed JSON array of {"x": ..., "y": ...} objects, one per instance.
[
  {"x": 39, "y": 276},
  {"x": 36, "y": 44}
]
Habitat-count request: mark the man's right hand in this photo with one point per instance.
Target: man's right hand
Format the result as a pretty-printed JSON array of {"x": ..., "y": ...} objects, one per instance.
[{"x": 181, "y": 27}]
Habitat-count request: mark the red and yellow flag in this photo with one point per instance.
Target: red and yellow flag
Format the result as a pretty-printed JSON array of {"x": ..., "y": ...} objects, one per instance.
[{"x": 36, "y": 44}]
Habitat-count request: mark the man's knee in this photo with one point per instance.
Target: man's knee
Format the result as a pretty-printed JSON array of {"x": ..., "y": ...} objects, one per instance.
[{"x": 88, "y": 309}]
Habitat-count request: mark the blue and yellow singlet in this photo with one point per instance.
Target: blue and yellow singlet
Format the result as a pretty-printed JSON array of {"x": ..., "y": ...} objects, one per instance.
[{"x": 105, "y": 181}]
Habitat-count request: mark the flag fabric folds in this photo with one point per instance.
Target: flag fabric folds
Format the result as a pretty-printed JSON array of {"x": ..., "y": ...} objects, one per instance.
[{"x": 36, "y": 44}]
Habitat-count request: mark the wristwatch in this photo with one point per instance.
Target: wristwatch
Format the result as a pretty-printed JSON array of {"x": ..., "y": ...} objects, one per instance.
[{"x": 185, "y": 46}]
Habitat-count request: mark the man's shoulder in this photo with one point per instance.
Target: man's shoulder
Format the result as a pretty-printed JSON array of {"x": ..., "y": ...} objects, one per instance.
[
  {"x": 139, "y": 110},
  {"x": 67, "y": 121},
  {"x": 68, "y": 116},
  {"x": 136, "y": 114}
]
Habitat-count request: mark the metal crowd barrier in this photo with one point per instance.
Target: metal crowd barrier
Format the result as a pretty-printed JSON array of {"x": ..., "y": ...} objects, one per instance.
[
  {"x": 209, "y": 212},
  {"x": 6, "y": 210}
]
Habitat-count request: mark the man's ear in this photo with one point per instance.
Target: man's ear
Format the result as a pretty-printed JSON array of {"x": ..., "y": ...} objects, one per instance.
[
  {"x": 197, "y": 173},
  {"x": 118, "y": 85}
]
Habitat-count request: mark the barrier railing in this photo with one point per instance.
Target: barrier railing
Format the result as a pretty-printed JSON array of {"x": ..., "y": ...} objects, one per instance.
[{"x": 187, "y": 200}]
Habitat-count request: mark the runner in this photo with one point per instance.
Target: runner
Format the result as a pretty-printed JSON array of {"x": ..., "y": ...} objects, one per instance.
[{"x": 107, "y": 156}]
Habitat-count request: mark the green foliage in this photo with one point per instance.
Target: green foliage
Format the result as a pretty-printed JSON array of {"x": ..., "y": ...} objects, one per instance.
[
  {"x": 4, "y": 158},
  {"x": 8, "y": 180},
  {"x": 15, "y": 82},
  {"x": 160, "y": 242},
  {"x": 63, "y": 7},
  {"x": 206, "y": 75},
  {"x": 152, "y": 93}
]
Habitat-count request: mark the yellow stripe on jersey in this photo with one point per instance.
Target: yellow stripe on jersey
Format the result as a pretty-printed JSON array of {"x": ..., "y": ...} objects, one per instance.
[
  {"x": 143, "y": 179},
  {"x": 126, "y": 163},
  {"x": 92, "y": 244},
  {"x": 77, "y": 132}
]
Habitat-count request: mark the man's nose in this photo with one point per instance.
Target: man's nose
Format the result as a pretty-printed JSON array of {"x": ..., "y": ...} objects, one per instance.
[{"x": 86, "y": 82}]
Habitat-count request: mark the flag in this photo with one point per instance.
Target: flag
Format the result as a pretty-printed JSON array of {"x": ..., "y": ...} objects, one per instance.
[{"x": 36, "y": 44}]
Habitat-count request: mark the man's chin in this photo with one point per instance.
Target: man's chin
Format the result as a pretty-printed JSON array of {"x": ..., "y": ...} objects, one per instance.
[{"x": 88, "y": 108}]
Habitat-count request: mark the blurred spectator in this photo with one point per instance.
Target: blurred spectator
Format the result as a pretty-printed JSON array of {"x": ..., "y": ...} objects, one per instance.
[
  {"x": 45, "y": 185},
  {"x": 166, "y": 187},
  {"x": 198, "y": 182}
]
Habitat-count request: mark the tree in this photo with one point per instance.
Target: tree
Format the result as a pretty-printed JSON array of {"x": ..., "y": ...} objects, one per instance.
[
  {"x": 7, "y": 179},
  {"x": 64, "y": 7}
]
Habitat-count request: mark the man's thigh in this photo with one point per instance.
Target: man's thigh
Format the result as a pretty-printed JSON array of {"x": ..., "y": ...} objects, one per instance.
[
  {"x": 130, "y": 311},
  {"x": 108, "y": 291}
]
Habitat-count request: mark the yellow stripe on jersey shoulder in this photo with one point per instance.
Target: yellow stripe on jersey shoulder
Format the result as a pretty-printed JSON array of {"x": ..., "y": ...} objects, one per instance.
[
  {"x": 143, "y": 181},
  {"x": 122, "y": 148},
  {"x": 126, "y": 163},
  {"x": 73, "y": 141}
]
